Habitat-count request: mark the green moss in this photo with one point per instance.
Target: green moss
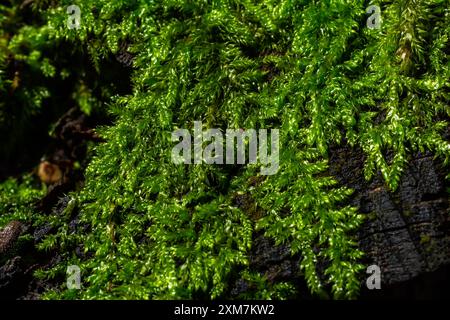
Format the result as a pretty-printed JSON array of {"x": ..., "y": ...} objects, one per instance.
[
  {"x": 313, "y": 70},
  {"x": 18, "y": 199},
  {"x": 425, "y": 239}
]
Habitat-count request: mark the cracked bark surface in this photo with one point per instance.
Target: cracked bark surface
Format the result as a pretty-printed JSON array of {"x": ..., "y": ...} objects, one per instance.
[{"x": 407, "y": 232}]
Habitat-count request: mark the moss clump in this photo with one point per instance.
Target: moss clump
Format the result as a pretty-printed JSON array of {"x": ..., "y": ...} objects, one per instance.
[
  {"x": 311, "y": 69},
  {"x": 18, "y": 198}
]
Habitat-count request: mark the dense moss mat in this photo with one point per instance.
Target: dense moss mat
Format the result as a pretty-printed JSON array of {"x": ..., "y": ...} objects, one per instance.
[{"x": 312, "y": 69}]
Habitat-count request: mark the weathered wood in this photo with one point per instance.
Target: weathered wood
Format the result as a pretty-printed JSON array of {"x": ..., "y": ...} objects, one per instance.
[{"x": 407, "y": 232}]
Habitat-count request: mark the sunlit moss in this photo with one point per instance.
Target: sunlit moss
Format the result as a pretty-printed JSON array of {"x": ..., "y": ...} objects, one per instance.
[{"x": 311, "y": 69}]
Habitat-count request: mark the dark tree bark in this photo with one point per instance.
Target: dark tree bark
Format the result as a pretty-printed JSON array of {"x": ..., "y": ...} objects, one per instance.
[{"x": 407, "y": 232}]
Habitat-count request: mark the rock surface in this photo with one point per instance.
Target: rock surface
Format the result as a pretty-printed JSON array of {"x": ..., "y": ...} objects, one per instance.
[{"x": 8, "y": 236}]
